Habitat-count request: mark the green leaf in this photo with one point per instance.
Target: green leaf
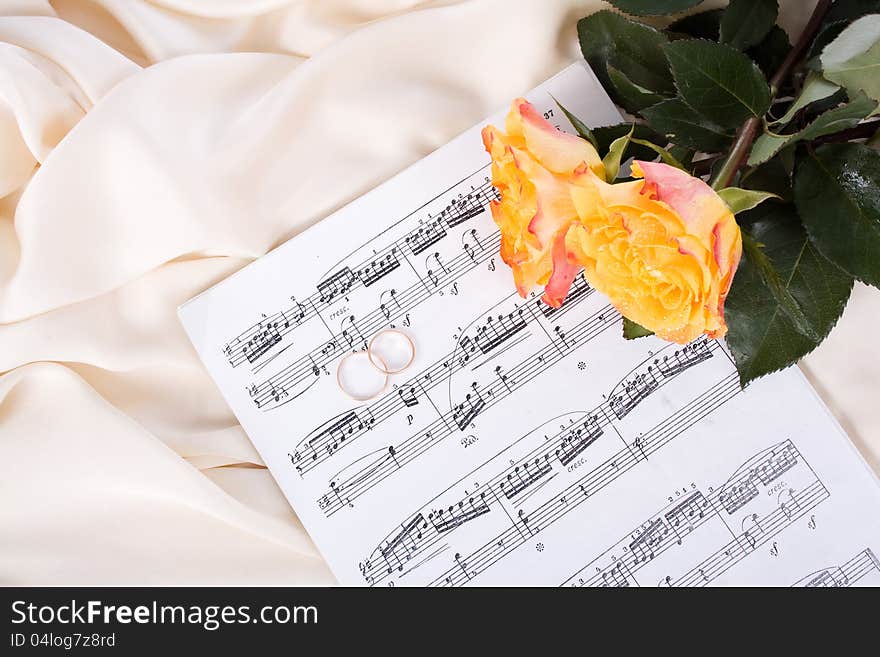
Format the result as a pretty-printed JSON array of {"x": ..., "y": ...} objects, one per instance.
[
  {"x": 773, "y": 176},
  {"x": 771, "y": 51},
  {"x": 580, "y": 127},
  {"x": 633, "y": 97},
  {"x": 766, "y": 146},
  {"x": 852, "y": 60},
  {"x": 653, "y": 7},
  {"x": 606, "y": 135},
  {"x": 618, "y": 147},
  {"x": 631, "y": 330},
  {"x": 682, "y": 125},
  {"x": 837, "y": 192},
  {"x": 666, "y": 156},
  {"x": 761, "y": 335},
  {"x": 631, "y": 48},
  {"x": 783, "y": 297},
  {"x": 704, "y": 25},
  {"x": 720, "y": 83},
  {"x": 740, "y": 200},
  {"x": 683, "y": 154},
  {"x": 615, "y": 154},
  {"x": 840, "y": 118},
  {"x": 815, "y": 88},
  {"x": 746, "y": 22}
]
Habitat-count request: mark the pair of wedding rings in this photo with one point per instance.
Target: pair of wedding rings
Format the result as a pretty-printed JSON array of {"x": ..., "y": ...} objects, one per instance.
[{"x": 363, "y": 375}]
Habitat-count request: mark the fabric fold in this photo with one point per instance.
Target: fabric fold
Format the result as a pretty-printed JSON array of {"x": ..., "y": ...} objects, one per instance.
[{"x": 149, "y": 149}]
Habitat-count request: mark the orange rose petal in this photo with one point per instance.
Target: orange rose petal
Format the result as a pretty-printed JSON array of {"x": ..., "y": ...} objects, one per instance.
[
  {"x": 558, "y": 151},
  {"x": 563, "y": 275}
]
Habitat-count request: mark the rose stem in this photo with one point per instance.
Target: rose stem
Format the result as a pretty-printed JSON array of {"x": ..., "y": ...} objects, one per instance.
[{"x": 749, "y": 130}]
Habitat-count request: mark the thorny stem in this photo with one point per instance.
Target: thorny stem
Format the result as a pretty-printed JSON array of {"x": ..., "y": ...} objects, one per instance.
[
  {"x": 749, "y": 130},
  {"x": 738, "y": 153}
]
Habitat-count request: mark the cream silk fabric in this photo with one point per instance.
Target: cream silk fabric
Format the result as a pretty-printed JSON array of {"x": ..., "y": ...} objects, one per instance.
[{"x": 148, "y": 150}]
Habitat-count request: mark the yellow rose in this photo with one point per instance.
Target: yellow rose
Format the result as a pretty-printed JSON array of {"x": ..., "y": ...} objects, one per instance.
[
  {"x": 533, "y": 168},
  {"x": 663, "y": 249}
]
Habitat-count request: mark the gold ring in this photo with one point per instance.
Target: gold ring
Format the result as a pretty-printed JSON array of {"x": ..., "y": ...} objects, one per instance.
[
  {"x": 412, "y": 355},
  {"x": 352, "y": 395}
]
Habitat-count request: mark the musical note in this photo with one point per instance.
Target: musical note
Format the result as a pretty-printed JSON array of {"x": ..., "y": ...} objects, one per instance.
[
  {"x": 863, "y": 564},
  {"x": 351, "y": 332},
  {"x": 671, "y": 529},
  {"x": 684, "y": 358},
  {"x": 614, "y": 577},
  {"x": 643, "y": 381},
  {"x": 454, "y": 517},
  {"x": 332, "y": 436},
  {"x": 578, "y": 291},
  {"x": 402, "y": 545},
  {"x": 688, "y": 514},
  {"x": 503, "y": 377},
  {"x": 464, "y": 215},
  {"x": 378, "y": 269},
  {"x": 336, "y": 284},
  {"x": 520, "y": 479},
  {"x": 409, "y": 396},
  {"x": 497, "y": 330},
  {"x": 632, "y": 392},
  {"x": 424, "y": 237},
  {"x": 737, "y": 494},
  {"x": 262, "y": 342},
  {"x": 766, "y": 468},
  {"x": 578, "y": 439},
  {"x": 643, "y": 547},
  {"x": 464, "y": 413},
  {"x": 462, "y": 565}
]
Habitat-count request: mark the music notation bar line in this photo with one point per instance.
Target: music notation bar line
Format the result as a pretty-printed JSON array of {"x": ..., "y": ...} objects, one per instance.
[
  {"x": 441, "y": 428},
  {"x": 844, "y": 575},
  {"x": 746, "y": 542},
  {"x": 308, "y": 366},
  {"x": 600, "y": 476},
  {"x": 585, "y": 487},
  {"x": 509, "y": 483},
  {"x": 674, "y": 523},
  {"x": 236, "y": 349},
  {"x": 313, "y": 450},
  {"x": 381, "y": 468}
]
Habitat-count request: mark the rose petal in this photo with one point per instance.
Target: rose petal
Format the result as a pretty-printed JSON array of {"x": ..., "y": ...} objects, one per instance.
[
  {"x": 563, "y": 275},
  {"x": 691, "y": 198},
  {"x": 558, "y": 151}
]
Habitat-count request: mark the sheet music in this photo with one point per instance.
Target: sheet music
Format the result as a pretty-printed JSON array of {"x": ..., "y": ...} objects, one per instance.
[{"x": 525, "y": 445}]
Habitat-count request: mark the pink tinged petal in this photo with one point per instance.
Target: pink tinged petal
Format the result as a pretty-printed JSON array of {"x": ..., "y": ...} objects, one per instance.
[
  {"x": 555, "y": 206},
  {"x": 692, "y": 199},
  {"x": 558, "y": 151},
  {"x": 563, "y": 274},
  {"x": 542, "y": 227}
]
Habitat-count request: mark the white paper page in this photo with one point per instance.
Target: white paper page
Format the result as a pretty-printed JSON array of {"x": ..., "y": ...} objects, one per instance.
[{"x": 524, "y": 445}]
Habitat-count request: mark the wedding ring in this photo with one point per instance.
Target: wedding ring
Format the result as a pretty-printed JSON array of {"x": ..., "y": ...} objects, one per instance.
[
  {"x": 393, "y": 348},
  {"x": 358, "y": 376}
]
